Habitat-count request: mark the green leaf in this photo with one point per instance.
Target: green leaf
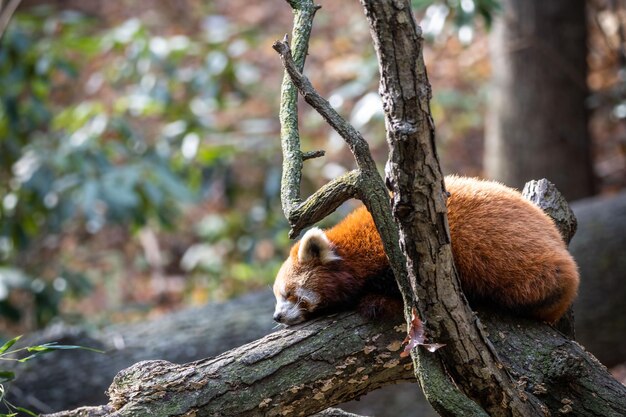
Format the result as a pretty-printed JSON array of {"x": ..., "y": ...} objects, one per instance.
[
  {"x": 6, "y": 376},
  {"x": 8, "y": 344},
  {"x": 27, "y": 411},
  {"x": 50, "y": 347},
  {"x": 47, "y": 347}
]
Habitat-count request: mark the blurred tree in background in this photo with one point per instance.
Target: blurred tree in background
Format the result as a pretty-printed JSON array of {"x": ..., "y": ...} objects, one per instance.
[
  {"x": 538, "y": 118},
  {"x": 139, "y": 141}
]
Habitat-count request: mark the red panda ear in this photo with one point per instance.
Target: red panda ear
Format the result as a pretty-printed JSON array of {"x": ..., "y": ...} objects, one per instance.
[{"x": 316, "y": 246}]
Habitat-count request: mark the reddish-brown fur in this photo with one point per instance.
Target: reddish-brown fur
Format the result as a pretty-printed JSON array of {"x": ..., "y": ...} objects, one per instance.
[{"x": 508, "y": 253}]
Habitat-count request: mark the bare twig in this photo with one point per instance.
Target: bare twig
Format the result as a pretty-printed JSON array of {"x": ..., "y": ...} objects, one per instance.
[
  {"x": 313, "y": 154},
  {"x": 352, "y": 137}
]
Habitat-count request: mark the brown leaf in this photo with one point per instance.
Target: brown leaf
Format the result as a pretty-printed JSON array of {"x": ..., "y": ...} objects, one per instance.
[{"x": 416, "y": 337}]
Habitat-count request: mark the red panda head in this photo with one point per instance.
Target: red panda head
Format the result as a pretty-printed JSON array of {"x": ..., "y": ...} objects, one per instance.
[{"x": 313, "y": 279}]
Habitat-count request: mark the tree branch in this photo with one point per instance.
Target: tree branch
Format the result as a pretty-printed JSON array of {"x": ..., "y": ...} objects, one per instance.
[
  {"x": 305, "y": 369},
  {"x": 356, "y": 143},
  {"x": 313, "y": 154},
  {"x": 419, "y": 206},
  {"x": 323, "y": 202},
  {"x": 335, "y": 359},
  {"x": 304, "y": 12}
]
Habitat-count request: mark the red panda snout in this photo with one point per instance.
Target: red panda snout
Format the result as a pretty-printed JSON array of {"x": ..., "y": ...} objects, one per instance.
[{"x": 289, "y": 308}]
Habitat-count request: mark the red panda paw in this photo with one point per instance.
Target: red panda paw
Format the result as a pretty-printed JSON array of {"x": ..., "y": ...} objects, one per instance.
[{"x": 376, "y": 306}]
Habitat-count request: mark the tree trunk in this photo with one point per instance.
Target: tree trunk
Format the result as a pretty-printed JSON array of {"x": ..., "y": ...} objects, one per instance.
[
  {"x": 474, "y": 382},
  {"x": 537, "y": 120}
]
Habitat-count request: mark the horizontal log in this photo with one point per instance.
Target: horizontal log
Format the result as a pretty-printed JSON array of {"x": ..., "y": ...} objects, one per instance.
[{"x": 304, "y": 369}]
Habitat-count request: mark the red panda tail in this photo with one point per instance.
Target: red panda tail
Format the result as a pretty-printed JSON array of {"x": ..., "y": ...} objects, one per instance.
[{"x": 554, "y": 305}]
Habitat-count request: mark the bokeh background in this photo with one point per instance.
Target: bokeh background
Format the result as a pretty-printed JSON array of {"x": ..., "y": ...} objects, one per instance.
[{"x": 140, "y": 152}]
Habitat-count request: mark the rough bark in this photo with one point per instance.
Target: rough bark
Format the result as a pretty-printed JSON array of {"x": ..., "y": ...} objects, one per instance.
[
  {"x": 537, "y": 119},
  {"x": 296, "y": 371},
  {"x": 419, "y": 205},
  {"x": 545, "y": 195},
  {"x": 304, "y": 369}
]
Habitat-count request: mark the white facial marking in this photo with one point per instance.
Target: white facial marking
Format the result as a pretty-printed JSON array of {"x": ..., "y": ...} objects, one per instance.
[
  {"x": 287, "y": 312},
  {"x": 309, "y": 296}
]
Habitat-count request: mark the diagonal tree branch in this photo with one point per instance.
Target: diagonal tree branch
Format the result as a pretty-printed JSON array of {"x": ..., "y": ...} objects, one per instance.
[
  {"x": 323, "y": 202},
  {"x": 356, "y": 143}
]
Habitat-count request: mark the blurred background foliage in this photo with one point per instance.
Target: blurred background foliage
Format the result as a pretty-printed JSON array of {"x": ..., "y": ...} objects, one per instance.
[{"x": 139, "y": 143}]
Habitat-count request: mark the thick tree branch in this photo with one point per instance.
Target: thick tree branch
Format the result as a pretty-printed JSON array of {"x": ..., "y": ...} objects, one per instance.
[
  {"x": 299, "y": 370},
  {"x": 335, "y": 359},
  {"x": 323, "y": 202},
  {"x": 419, "y": 206}
]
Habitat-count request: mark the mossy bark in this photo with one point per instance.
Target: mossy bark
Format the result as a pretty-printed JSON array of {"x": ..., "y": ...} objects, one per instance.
[{"x": 305, "y": 369}]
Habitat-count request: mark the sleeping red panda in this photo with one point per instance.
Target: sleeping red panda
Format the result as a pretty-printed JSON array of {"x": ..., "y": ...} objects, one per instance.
[{"x": 508, "y": 252}]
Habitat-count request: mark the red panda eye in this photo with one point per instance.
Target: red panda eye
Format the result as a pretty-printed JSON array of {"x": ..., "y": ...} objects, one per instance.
[{"x": 288, "y": 294}]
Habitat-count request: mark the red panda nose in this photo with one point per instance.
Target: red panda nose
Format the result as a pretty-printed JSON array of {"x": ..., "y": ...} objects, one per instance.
[{"x": 278, "y": 317}]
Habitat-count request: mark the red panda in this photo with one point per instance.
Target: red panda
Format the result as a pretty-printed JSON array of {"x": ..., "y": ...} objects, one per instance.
[{"x": 508, "y": 252}]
